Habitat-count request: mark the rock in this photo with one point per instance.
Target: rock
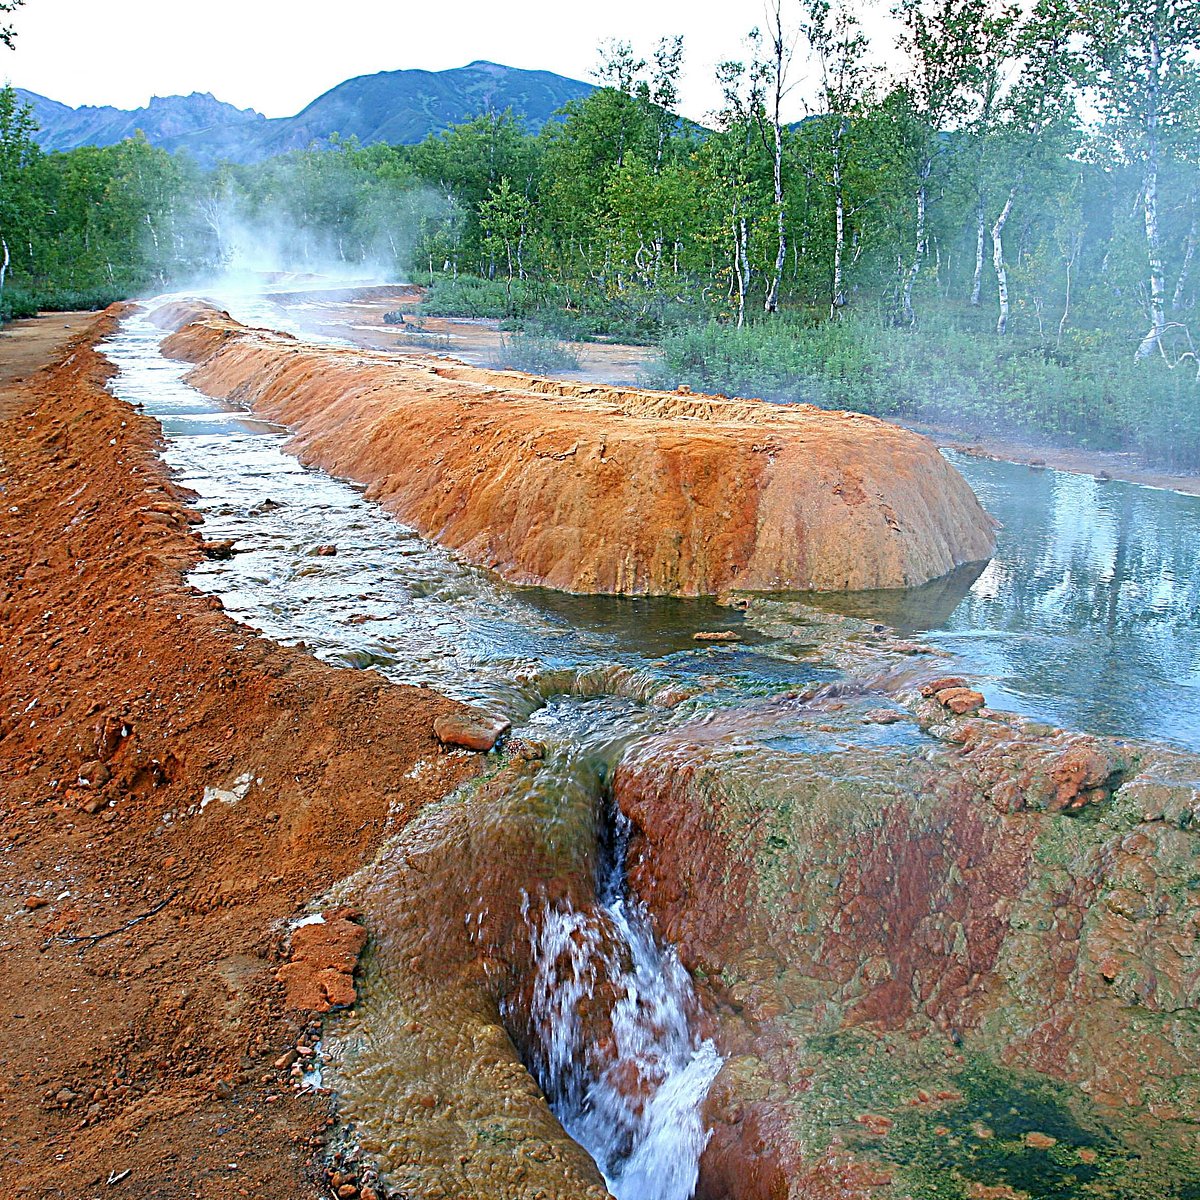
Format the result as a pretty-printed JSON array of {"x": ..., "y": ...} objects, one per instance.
[
  {"x": 883, "y": 716},
  {"x": 285, "y": 1061},
  {"x": 1040, "y": 1141},
  {"x": 220, "y": 551},
  {"x": 94, "y": 804},
  {"x": 319, "y": 974},
  {"x": 721, "y": 635},
  {"x": 327, "y": 551},
  {"x": 960, "y": 700},
  {"x": 472, "y": 731},
  {"x": 94, "y": 774},
  {"x": 703, "y": 495},
  {"x": 65, "y": 1096},
  {"x": 33, "y": 903},
  {"x": 939, "y": 685}
]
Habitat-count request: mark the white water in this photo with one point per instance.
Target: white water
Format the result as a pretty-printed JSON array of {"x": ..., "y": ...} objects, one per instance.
[
  {"x": 432, "y": 620},
  {"x": 638, "y": 1112}
]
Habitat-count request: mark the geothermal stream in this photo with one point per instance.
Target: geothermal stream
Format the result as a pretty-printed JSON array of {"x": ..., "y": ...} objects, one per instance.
[
  {"x": 393, "y": 601},
  {"x": 591, "y": 679}
]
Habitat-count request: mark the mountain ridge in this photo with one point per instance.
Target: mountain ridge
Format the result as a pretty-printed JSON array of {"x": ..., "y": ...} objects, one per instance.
[{"x": 400, "y": 107}]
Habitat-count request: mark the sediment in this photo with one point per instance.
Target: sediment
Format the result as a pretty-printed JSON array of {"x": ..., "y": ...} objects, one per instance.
[
  {"x": 968, "y": 962},
  {"x": 149, "y": 1040},
  {"x": 604, "y": 490}
]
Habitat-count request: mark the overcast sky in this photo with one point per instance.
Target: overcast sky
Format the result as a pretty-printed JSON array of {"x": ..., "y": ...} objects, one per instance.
[{"x": 277, "y": 55}]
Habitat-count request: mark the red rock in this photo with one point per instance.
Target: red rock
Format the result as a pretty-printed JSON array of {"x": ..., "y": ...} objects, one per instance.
[
  {"x": 319, "y": 975},
  {"x": 35, "y": 902},
  {"x": 94, "y": 774},
  {"x": 960, "y": 700},
  {"x": 472, "y": 731},
  {"x": 882, "y": 716},
  {"x": 325, "y": 551},
  {"x": 720, "y": 635},
  {"x": 938, "y": 685},
  {"x": 595, "y": 489}
]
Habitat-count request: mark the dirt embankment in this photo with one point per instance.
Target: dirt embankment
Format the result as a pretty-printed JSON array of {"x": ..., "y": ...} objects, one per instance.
[
  {"x": 174, "y": 790},
  {"x": 593, "y": 489}
]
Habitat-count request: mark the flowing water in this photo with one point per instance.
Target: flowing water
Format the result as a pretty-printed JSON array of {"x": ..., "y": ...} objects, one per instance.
[{"x": 1087, "y": 616}]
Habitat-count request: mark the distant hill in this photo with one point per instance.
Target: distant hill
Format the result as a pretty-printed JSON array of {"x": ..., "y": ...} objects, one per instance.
[
  {"x": 400, "y": 107},
  {"x": 164, "y": 119}
]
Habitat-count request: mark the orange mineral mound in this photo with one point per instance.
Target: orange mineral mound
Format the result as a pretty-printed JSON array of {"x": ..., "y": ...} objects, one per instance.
[{"x": 599, "y": 489}]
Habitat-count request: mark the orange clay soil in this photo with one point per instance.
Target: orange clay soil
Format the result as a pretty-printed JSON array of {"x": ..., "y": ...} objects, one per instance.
[
  {"x": 146, "y": 1038},
  {"x": 597, "y": 489}
]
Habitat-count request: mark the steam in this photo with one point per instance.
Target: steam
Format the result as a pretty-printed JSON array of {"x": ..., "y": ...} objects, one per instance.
[{"x": 321, "y": 218}]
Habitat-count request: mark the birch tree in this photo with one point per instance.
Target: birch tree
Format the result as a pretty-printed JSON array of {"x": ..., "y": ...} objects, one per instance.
[
  {"x": 1141, "y": 59},
  {"x": 847, "y": 83},
  {"x": 941, "y": 39}
]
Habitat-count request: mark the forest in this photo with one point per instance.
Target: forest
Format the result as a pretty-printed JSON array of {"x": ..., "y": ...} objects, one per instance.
[{"x": 997, "y": 232}]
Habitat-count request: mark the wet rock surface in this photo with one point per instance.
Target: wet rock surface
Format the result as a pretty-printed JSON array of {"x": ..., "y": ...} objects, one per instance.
[
  {"x": 924, "y": 963},
  {"x": 593, "y": 489}
]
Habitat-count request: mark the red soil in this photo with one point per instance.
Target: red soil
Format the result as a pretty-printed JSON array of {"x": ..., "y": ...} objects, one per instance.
[{"x": 141, "y": 931}]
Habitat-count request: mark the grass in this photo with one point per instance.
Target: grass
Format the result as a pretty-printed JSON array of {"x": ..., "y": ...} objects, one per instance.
[
  {"x": 20, "y": 301},
  {"x": 536, "y": 354},
  {"x": 1088, "y": 393}
]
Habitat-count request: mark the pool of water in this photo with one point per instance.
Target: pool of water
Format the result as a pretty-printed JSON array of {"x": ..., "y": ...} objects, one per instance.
[{"x": 1087, "y": 617}]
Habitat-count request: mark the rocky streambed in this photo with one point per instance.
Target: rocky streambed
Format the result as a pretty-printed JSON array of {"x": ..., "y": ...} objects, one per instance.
[{"x": 792, "y": 913}]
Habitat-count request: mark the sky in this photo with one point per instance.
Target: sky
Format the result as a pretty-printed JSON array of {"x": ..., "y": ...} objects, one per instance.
[{"x": 277, "y": 55}]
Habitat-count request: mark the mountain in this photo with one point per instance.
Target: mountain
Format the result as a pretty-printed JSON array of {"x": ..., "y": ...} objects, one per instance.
[
  {"x": 392, "y": 106},
  {"x": 164, "y": 119}
]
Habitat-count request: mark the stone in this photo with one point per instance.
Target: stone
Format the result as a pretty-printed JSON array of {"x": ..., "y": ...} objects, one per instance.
[
  {"x": 327, "y": 551},
  {"x": 882, "y": 716},
  {"x": 94, "y": 774},
  {"x": 220, "y": 551},
  {"x": 32, "y": 903},
  {"x": 319, "y": 975},
  {"x": 470, "y": 730},
  {"x": 960, "y": 700},
  {"x": 720, "y": 635}
]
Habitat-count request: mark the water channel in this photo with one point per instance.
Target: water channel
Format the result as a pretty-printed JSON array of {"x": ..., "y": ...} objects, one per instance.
[{"x": 1087, "y": 617}]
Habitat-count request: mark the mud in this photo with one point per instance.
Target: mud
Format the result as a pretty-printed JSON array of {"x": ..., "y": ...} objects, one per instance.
[{"x": 142, "y": 927}]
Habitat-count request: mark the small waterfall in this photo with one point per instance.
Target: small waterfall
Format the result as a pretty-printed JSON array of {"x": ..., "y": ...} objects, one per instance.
[{"x": 633, "y": 1101}]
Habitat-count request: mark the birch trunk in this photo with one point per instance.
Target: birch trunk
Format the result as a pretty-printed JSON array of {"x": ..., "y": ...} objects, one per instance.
[
  {"x": 771, "y": 303},
  {"x": 998, "y": 260},
  {"x": 4, "y": 262},
  {"x": 980, "y": 234},
  {"x": 919, "y": 247},
  {"x": 839, "y": 242},
  {"x": 741, "y": 267},
  {"x": 1158, "y": 289}
]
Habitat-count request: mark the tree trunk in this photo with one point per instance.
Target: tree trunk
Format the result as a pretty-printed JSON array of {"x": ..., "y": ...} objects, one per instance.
[
  {"x": 1158, "y": 314},
  {"x": 998, "y": 260},
  {"x": 919, "y": 245},
  {"x": 741, "y": 266},
  {"x": 980, "y": 233},
  {"x": 771, "y": 304},
  {"x": 839, "y": 241},
  {"x": 4, "y": 261}
]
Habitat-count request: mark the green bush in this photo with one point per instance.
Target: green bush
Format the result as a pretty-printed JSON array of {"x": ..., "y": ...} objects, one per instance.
[
  {"x": 20, "y": 301},
  {"x": 535, "y": 354},
  {"x": 1084, "y": 393}
]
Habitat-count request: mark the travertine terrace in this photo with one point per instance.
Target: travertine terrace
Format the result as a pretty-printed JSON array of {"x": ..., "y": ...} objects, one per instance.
[{"x": 601, "y": 490}]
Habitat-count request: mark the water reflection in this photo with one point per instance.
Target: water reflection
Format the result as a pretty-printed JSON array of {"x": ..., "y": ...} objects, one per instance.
[{"x": 1089, "y": 613}]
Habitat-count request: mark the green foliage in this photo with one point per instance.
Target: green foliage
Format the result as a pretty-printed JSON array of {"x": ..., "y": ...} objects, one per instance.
[
  {"x": 536, "y": 354},
  {"x": 1080, "y": 394}
]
